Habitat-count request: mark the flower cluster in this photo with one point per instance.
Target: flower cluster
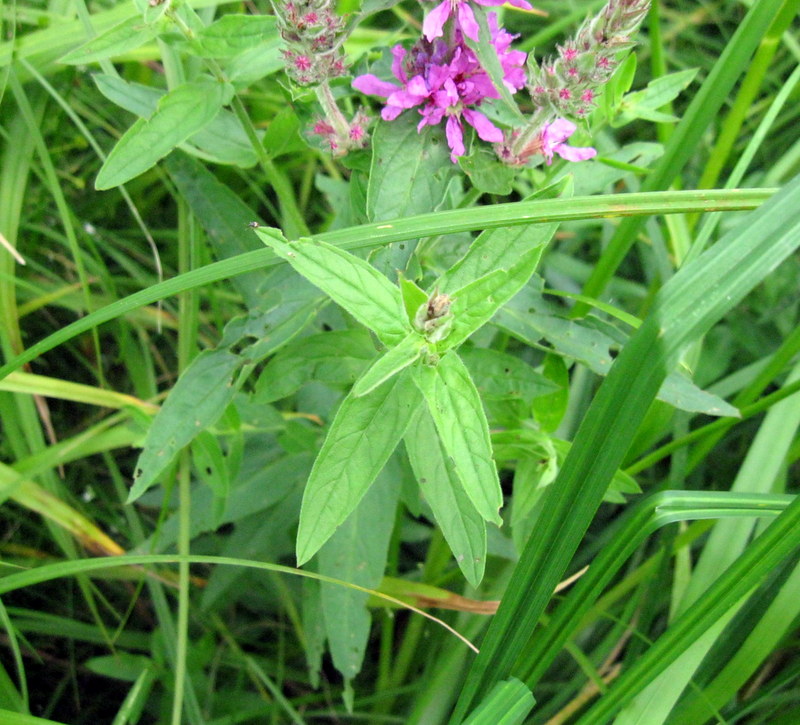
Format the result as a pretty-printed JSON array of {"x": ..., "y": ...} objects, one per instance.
[
  {"x": 446, "y": 81},
  {"x": 568, "y": 84},
  {"x": 442, "y": 77},
  {"x": 313, "y": 34}
]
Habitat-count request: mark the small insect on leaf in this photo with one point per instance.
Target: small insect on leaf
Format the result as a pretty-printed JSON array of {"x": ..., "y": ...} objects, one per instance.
[{"x": 253, "y": 225}]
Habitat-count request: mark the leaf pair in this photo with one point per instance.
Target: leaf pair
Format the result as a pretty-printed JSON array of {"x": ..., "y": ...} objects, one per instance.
[{"x": 434, "y": 404}]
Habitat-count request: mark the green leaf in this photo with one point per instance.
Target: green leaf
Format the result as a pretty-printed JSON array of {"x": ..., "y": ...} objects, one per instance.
[
  {"x": 549, "y": 409},
  {"x": 533, "y": 473},
  {"x": 223, "y": 140},
  {"x": 357, "y": 553},
  {"x": 392, "y": 362},
  {"x": 659, "y": 92},
  {"x": 409, "y": 174},
  {"x": 508, "y": 703},
  {"x": 128, "y": 35},
  {"x": 476, "y": 303},
  {"x": 487, "y": 173},
  {"x": 457, "y": 411},
  {"x": 413, "y": 296},
  {"x": 180, "y": 113},
  {"x": 313, "y": 628},
  {"x": 256, "y": 63},
  {"x": 409, "y": 170},
  {"x": 198, "y": 399},
  {"x": 209, "y": 462},
  {"x": 233, "y": 34},
  {"x": 223, "y": 216},
  {"x": 361, "y": 438},
  {"x": 499, "y": 375},
  {"x": 529, "y": 318},
  {"x": 501, "y": 248},
  {"x": 335, "y": 358},
  {"x": 461, "y": 524},
  {"x": 119, "y": 666},
  {"x": 349, "y": 281}
]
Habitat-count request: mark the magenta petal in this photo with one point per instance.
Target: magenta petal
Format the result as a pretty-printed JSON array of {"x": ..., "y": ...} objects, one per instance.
[
  {"x": 522, "y": 4},
  {"x": 399, "y": 55},
  {"x": 572, "y": 153},
  {"x": 389, "y": 113},
  {"x": 373, "y": 86},
  {"x": 417, "y": 86},
  {"x": 466, "y": 21},
  {"x": 485, "y": 128},
  {"x": 432, "y": 26},
  {"x": 455, "y": 137},
  {"x": 404, "y": 99},
  {"x": 558, "y": 131}
]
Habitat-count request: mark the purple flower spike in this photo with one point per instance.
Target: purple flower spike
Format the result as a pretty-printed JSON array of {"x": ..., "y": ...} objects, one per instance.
[{"x": 552, "y": 141}]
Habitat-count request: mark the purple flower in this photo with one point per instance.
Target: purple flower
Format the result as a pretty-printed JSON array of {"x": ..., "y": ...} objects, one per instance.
[
  {"x": 446, "y": 83},
  {"x": 433, "y": 25},
  {"x": 552, "y": 140}
]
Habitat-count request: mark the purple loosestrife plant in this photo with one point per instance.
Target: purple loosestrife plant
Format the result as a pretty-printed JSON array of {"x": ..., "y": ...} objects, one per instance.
[{"x": 442, "y": 77}]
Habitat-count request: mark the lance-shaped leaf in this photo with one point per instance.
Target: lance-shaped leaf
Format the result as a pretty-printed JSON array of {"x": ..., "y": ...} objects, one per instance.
[
  {"x": 462, "y": 525},
  {"x": 501, "y": 248},
  {"x": 128, "y": 35},
  {"x": 474, "y": 305},
  {"x": 349, "y": 281},
  {"x": 357, "y": 553},
  {"x": 199, "y": 397},
  {"x": 396, "y": 359},
  {"x": 180, "y": 113},
  {"x": 233, "y": 34},
  {"x": 362, "y": 436},
  {"x": 457, "y": 411}
]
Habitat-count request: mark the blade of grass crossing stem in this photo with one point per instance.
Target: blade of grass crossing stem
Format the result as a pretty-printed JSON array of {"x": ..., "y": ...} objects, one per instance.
[
  {"x": 685, "y": 308},
  {"x": 443, "y": 222},
  {"x": 683, "y": 143}
]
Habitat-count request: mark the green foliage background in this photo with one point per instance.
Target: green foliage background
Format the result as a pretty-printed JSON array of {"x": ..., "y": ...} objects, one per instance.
[{"x": 212, "y": 371}]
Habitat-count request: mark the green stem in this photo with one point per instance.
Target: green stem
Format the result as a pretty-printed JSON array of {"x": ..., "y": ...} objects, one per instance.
[
  {"x": 718, "y": 425},
  {"x": 293, "y": 224},
  {"x": 184, "y": 534}
]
